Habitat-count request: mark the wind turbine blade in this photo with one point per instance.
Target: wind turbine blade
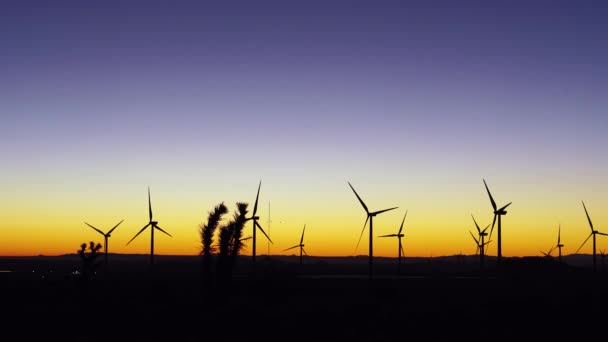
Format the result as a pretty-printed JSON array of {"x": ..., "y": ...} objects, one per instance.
[
  {"x": 484, "y": 230},
  {"x": 544, "y": 253},
  {"x": 389, "y": 235},
  {"x": 489, "y": 194},
  {"x": 474, "y": 238},
  {"x": 492, "y": 229},
  {"x": 159, "y": 228},
  {"x": 381, "y": 211},
  {"x": 144, "y": 228},
  {"x": 360, "y": 200},
  {"x": 302, "y": 238},
  {"x": 602, "y": 233},
  {"x": 505, "y": 207},
  {"x": 255, "y": 206},
  {"x": 588, "y": 218},
  {"x": 291, "y": 248},
  {"x": 263, "y": 232},
  {"x": 583, "y": 243},
  {"x": 149, "y": 204},
  {"x": 100, "y": 232},
  {"x": 247, "y": 238},
  {"x": 365, "y": 224},
  {"x": 111, "y": 230},
  {"x": 304, "y": 251},
  {"x": 476, "y": 225},
  {"x": 401, "y": 228},
  {"x": 402, "y": 251}
]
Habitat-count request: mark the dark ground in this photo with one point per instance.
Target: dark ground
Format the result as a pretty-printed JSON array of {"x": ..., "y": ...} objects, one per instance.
[{"x": 529, "y": 299}]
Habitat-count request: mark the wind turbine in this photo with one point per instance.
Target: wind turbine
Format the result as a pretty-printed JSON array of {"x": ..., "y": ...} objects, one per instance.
[
  {"x": 479, "y": 250},
  {"x": 105, "y": 236},
  {"x": 370, "y": 217},
  {"x": 559, "y": 243},
  {"x": 481, "y": 243},
  {"x": 593, "y": 232},
  {"x": 548, "y": 253},
  {"x": 301, "y": 245},
  {"x": 497, "y": 213},
  {"x": 256, "y": 225},
  {"x": 153, "y": 225},
  {"x": 399, "y": 236}
]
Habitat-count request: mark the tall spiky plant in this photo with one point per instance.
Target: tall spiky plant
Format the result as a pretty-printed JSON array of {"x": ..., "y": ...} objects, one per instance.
[
  {"x": 225, "y": 242},
  {"x": 207, "y": 231},
  {"x": 239, "y": 222},
  {"x": 230, "y": 242}
]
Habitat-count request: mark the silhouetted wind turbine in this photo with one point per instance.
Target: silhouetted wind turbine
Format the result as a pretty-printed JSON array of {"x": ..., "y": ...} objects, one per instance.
[
  {"x": 153, "y": 225},
  {"x": 256, "y": 225},
  {"x": 479, "y": 250},
  {"x": 370, "y": 217},
  {"x": 481, "y": 243},
  {"x": 497, "y": 213},
  {"x": 105, "y": 236},
  {"x": 301, "y": 245},
  {"x": 399, "y": 236},
  {"x": 548, "y": 253},
  {"x": 593, "y": 232},
  {"x": 559, "y": 243}
]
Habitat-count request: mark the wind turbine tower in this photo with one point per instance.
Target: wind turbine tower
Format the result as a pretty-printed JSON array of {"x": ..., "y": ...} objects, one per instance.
[
  {"x": 481, "y": 243},
  {"x": 498, "y": 213},
  {"x": 399, "y": 235},
  {"x": 153, "y": 226},
  {"x": 370, "y": 217},
  {"x": 105, "y": 237},
  {"x": 256, "y": 226},
  {"x": 593, "y": 233},
  {"x": 559, "y": 243},
  {"x": 300, "y": 245}
]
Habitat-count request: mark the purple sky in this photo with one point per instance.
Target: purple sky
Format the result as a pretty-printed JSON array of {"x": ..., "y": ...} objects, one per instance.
[{"x": 254, "y": 59}]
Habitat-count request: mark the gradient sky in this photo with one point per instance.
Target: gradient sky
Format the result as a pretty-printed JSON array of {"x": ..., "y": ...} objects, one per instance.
[{"x": 413, "y": 102}]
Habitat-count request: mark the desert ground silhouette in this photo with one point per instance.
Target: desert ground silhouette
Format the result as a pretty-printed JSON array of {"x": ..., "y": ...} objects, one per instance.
[{"x": 325, "y": 299}]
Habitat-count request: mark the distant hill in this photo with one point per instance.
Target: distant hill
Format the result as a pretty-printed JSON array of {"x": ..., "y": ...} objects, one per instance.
[{"x": 290, "y": 263}]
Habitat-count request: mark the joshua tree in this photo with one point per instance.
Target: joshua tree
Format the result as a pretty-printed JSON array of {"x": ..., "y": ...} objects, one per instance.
[
  {"x": 207, "y": 232},
  {"x": 237, "y": 238},
  {"x": 230, "y": 243},
  {"x": 89, "y": 260}
]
